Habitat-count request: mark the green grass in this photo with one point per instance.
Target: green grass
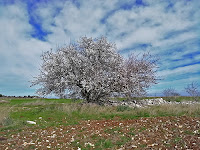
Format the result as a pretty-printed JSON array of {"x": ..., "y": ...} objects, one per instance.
[
  {"x": 104, "y": 143},
  {"x": 123, "y": 108},
  {"x": 181, "y": 98},
  {"x": 115, "y": 130},
  {"x": 29, "y": 101},
  {"x": 55, "y": 112}
]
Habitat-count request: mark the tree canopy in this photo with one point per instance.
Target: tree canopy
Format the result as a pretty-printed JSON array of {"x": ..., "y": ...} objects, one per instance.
[{"x": 93, "y": 69}]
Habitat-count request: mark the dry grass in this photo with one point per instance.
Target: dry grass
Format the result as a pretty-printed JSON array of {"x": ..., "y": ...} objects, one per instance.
[
  {"x": 172, "y": 110},
  {"x": 4, "y": 113},
  {"x": 38, "y": 103},
  {"x": 153, "y": 111},
  {"x": 86, "y": 108}
]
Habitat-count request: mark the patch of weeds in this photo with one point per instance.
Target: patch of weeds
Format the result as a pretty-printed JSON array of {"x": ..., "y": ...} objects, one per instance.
[
  {"x": 178, "y": 100},
  {"x": 76, "y": 143},
  {"x": 177, "y": 139},
  {"x": 188, "y": 132},
  {"x": 69, "y": 131},
  {"x": 82, "y": 130},
  {"x": 72, "y": 122},
  {"x": 104, "y": 143},
  {"x": 31, "y": 147},
  {"x": 7, "y": 128},
  {"x": 131, "y": 133},
  {"x": 99, "y": 142},
  {"x": 88, "y": 146},
  {"x": 142, "y": 113},
  {"x": 7, "y": 121},
  {"x": 127, "y": 116},
  {"x": 167, "y": 144},
  {"x": 113, "y": 130},
  {"x": 107, "y": 144},
  {"x": 95, "y": 136},
  {"x": 132, "y": 129},
  {"x": 123, "y": 108},
  {"x": 123, "y": 140},
  {"x": 10, "y": 130},
  {"x": 143, "y": 145},
  {"x": 142, "y": 129},
  {"x": 174, "y": 129},
  {"x": 119, "y": 143},
  {"x": 107, "y": 116}
]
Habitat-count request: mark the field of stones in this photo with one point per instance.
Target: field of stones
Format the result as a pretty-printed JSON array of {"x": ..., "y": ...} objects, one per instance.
[{"x": 156, "y": 123}]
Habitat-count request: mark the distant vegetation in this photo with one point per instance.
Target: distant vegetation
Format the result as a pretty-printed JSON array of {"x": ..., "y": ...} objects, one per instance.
[
  {"x": 29, "y": 96},
  {"x": 193, "y": 90}
]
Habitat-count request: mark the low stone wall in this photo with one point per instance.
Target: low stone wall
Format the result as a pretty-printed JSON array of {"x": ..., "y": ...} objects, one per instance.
[{"x": 145, "y": 102}]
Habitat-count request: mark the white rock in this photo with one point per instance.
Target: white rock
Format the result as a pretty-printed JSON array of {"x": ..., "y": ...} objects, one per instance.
[
  {"x": 133, "y": 146},
  {"x": 88, "y": 143},
  {"x": 72, "y": 139},
  {"x": 48, "y": 146},
  {"x": 31, "y": 122}
]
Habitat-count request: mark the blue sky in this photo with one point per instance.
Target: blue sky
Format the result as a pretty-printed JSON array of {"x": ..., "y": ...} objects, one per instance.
[{"x": 168, "y": 29}]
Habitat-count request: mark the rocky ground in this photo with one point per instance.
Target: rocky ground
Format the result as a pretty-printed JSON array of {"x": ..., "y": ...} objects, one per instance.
[
  {"x": 144, "y": 133},
  {"x": 146, "y": 102}
]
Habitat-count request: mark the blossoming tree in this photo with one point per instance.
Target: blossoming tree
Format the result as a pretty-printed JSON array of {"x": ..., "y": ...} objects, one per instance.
[{"x": 92, "y": 69}]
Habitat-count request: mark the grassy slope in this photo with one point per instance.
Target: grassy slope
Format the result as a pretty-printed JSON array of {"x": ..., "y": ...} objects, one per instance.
[{"x": 54, "y": 112}]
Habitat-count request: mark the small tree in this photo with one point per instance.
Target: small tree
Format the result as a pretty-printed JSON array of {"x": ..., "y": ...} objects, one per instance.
[
  {"x": 170, "y": 92},
  {"x": 193, "y": 90},
  {"x": 93, "y": 70},
  {"x": 139, "y": 74}
]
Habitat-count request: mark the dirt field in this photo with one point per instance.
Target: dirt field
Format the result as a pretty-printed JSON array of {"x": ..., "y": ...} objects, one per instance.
[{"x": 143, "y": 133}]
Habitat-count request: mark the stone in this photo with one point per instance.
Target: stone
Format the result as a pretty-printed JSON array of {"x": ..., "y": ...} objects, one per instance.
[
  {"x": 144, "y": 102},
  {"x": 31, "y": 122}
]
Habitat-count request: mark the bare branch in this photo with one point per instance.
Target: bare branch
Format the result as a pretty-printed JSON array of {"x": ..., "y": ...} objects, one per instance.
[{"x": 193, "y": 90}]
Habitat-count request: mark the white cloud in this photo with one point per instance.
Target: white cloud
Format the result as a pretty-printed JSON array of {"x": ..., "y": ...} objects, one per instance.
[
  {"x": 72, "y": 22},
  {"x": 19, "y": 50},
  {"x": 178, "y": 85},
  {"x": 181, "y": 70},
  {"x": 138, "y": 25},
  {"x": 164, "y": 29},
  {"x": 150, "y": 24}
]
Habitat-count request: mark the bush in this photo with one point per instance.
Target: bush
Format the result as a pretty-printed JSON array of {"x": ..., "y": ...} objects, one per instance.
[
  {"x": 193, "y": 90},
  {"x": 170, "y": 92}
]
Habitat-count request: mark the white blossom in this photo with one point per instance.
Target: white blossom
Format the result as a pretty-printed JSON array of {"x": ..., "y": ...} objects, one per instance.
[{"x": 93, "y": 70}]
